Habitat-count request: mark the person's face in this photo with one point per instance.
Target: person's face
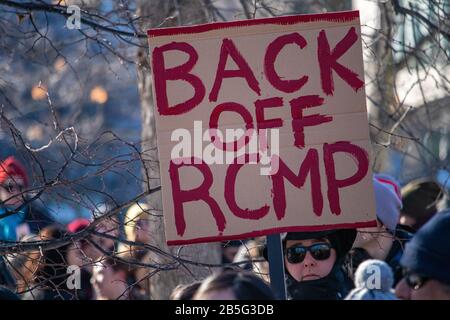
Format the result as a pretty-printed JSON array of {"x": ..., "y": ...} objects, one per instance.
[
  {"x": 11, "y": 191},
  {"x": 310, "y": 268},
  {"x": 108, "y": 284},
  {"x": 226, "y": 294},
  {"x": 429, "y": 290},
  {"x": 142, "y": 230}
]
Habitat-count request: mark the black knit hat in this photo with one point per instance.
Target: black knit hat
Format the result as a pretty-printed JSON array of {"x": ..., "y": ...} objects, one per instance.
[{"x": 428, "y": 252}]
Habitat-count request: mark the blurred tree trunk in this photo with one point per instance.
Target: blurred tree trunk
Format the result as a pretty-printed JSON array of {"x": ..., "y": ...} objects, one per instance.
[
  {"x": 157, "y": 13},
  {"x": 382, "y": 93}
]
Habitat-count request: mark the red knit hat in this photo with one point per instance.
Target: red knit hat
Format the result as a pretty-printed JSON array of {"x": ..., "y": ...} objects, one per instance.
[
  {"x": 77, "y": 225},
  {"x": 11, "y": 168}
]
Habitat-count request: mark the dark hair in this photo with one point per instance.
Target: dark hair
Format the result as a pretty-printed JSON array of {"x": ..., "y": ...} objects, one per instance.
[
  {"x": 185, "y": 291},
  {"x": 245, "y": 285}
]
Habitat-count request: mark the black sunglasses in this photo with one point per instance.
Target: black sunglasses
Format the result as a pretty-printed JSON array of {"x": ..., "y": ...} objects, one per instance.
[
  {"x": 319, "y": 251},
  {"x": 413, "y": 280}
]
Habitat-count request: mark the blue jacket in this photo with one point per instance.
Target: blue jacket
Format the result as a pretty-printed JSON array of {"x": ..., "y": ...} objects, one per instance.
[{"x": 9, "y": 224}]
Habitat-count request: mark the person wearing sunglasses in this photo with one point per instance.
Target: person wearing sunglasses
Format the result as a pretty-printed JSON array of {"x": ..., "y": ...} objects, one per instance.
[
  {"x": 313, "y": 263},
  {"x": 426, "y": 262}
]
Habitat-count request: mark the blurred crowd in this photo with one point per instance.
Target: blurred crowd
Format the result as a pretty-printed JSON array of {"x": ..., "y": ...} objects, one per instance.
[{"x": 406, "y": 256}]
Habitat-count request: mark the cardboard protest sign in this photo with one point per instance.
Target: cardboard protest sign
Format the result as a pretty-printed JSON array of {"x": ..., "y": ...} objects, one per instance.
[{"x": 262, "y": 127}]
